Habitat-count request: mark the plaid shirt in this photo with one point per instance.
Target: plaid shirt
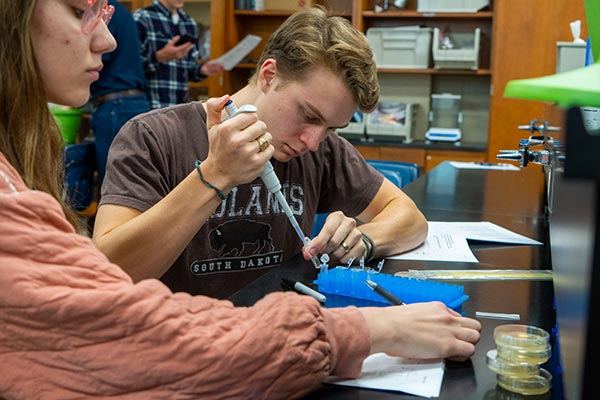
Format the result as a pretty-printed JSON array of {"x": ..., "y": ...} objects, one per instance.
[{"x": 167, "y": 81}]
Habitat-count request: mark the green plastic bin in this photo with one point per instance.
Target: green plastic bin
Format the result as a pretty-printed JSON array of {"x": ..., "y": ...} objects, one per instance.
[{"x": 69, "y": 121}]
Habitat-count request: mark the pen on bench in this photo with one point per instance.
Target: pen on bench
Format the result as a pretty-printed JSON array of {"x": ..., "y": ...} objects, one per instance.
[
  {"x": 384, "y": 293},
  {"x": 492, "y": 315},
  {"x": 302, "y": 288}
]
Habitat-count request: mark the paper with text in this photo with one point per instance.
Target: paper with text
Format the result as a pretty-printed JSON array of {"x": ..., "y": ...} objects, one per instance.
[
  {"x": 484, "y": 231},
  {"x": 380, "y": 371},
  {"x": 441, "y": 245},
  {"x": 484, "y": 165},
  {"x": 241, "y": 50}
]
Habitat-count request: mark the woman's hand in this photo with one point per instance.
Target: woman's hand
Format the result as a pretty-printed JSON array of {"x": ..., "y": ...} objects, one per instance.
[{"x": 422, "y": 330}]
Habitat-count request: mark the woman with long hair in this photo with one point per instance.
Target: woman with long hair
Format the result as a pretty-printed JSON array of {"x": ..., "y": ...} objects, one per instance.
[{"x": 74, "y": 325}]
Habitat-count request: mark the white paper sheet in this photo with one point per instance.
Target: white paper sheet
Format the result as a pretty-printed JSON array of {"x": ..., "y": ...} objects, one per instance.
[
  {"x": 484, "y": 231},
  {"x": 484, "y": 165},
  {"x": 380, "y": 371},
  {"x": 441, "y": 246},
  {"x": 241, "y": 50}
]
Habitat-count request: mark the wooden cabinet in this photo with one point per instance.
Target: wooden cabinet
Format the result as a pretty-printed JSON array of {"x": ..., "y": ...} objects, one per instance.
[
  {"x": 426, "y": 159},
  {"x": 133, "y": 5},
  {"x": 518, "y": 41},
  {"x": 529, "y": 31},
  {"x": 417, "y": 85}
]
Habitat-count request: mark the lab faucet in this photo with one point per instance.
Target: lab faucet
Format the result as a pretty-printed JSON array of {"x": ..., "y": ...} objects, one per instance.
[{"x": 544, "y": 155}]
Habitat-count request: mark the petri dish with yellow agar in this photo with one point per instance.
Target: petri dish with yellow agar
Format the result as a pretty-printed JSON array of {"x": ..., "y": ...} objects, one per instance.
[
  {"x": 521, "y": 336},
  {"x": 508, "y": 368},
  {"x": 533, "y": 385},
  {"x": 526, "y": 355}
]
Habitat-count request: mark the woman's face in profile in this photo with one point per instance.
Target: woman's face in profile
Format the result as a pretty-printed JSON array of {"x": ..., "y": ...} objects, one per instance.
[{"x": 68, "y": 59}]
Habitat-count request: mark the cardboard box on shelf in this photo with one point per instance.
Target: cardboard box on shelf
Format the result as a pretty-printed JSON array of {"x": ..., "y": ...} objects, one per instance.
[{"x": 288, "y": 4}]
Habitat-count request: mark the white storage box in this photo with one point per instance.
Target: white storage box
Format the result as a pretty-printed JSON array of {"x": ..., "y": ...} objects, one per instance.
[
  {"x": 451, "y": 5},
  {"x": 400, "y": 47},
  {"x": 569, "y": 56},
  {"x": 356, "y": 127},
  {"x": 392, "y": 120},
  {"x": 456, "y": 50}
]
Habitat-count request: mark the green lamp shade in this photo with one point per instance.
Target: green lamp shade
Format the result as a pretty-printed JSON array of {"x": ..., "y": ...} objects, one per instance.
[
  {"x": 579, "y": 87},
  {"x": 592, "y": 14}
]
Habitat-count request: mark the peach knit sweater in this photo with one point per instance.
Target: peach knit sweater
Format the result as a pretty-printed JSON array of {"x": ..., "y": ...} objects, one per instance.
[{"x": 73, "y": 325}]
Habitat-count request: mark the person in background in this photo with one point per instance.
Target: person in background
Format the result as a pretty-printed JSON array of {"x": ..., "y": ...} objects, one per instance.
[
  {"x": 120, "y": 93},
  {"x": 169, "y": 61},
  {"x": 314, "y": 73}
]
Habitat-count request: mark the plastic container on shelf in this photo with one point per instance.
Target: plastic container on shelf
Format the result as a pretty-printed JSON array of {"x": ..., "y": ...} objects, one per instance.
[
  {"x": 400, "y": 47},
  {"x": 456, "y": 6},
  {"x": 68, "y": 121},
  {"x": 456, "y": 50},
  {"x": 392, "y": 120},
  {"x": 356, "y": 127}
]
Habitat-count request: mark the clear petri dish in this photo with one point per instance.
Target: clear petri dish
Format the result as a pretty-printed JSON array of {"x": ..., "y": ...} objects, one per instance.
[
  {"x": 521, "y": 336},
  {"x": 512, "y": 369},
  {"x": 533, "y": 385},
  {"x": 525, "y": 355}
]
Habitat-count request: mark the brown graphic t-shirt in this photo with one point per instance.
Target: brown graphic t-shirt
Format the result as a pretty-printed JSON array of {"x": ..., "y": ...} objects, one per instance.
[{"x": 248, "y": 233}]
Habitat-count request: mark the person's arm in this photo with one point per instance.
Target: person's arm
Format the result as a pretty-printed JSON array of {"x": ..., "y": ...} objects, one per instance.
[
  {"x": 395, "y": 224},
  {"x": 128, "y": 236},
  {"x": 116, "y": 338},
  {"x": 210, "y": 68},
  {"x": 146, "y": 52},
  {"x": 391, "y": 220}
]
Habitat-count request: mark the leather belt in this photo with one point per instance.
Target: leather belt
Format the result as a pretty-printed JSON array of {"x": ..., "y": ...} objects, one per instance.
[{"x": 116, "y": 95}]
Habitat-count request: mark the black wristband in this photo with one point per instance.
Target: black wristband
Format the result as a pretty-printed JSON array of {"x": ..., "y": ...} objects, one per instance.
[{"x": 369, "y": 244}]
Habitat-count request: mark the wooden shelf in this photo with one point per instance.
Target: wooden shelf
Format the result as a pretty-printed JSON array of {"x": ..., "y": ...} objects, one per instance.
[
  {"x": 273, "y": 13},
  {"x": 277, "y": 13},
  {"x": 202, "y": 84},
  {"x": 433, "y": 71},
  {"x": 422, "y": 71},
  {"x": 415, "y": 14}
]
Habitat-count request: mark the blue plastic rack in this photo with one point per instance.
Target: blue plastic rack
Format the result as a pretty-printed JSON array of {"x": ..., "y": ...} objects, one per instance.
[{"x": 350, "y": 282}]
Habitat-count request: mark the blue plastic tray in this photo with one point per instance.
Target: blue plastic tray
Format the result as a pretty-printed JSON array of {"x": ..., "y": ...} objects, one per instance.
[{"x": 350, "y": 282}]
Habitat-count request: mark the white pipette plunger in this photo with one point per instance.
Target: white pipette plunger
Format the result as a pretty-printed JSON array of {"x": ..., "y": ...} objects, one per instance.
[{"x": 272, "y": 183}]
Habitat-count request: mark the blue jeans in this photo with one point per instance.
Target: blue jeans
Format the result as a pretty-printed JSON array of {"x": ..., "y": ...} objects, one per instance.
[{"x": 106, "y": 121}]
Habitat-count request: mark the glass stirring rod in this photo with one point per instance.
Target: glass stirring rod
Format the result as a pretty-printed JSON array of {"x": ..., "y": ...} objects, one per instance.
[{"x": 272, "y": 182}]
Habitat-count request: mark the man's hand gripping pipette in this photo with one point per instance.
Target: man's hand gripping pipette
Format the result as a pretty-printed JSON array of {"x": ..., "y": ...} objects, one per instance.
[{"x": 270, "y": 179}]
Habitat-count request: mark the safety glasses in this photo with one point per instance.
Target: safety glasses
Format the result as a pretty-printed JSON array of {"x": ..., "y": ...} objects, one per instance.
[{"x": 97, "y": 10}]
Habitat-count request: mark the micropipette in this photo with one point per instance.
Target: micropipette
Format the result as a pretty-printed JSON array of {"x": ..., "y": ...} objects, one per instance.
[{"x": 272, "y": 182}]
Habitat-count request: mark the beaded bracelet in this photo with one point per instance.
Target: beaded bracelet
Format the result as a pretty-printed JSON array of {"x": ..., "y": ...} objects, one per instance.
[
  {"x": 369, "y": 244},
  {"x": 207, "y": 183}
]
